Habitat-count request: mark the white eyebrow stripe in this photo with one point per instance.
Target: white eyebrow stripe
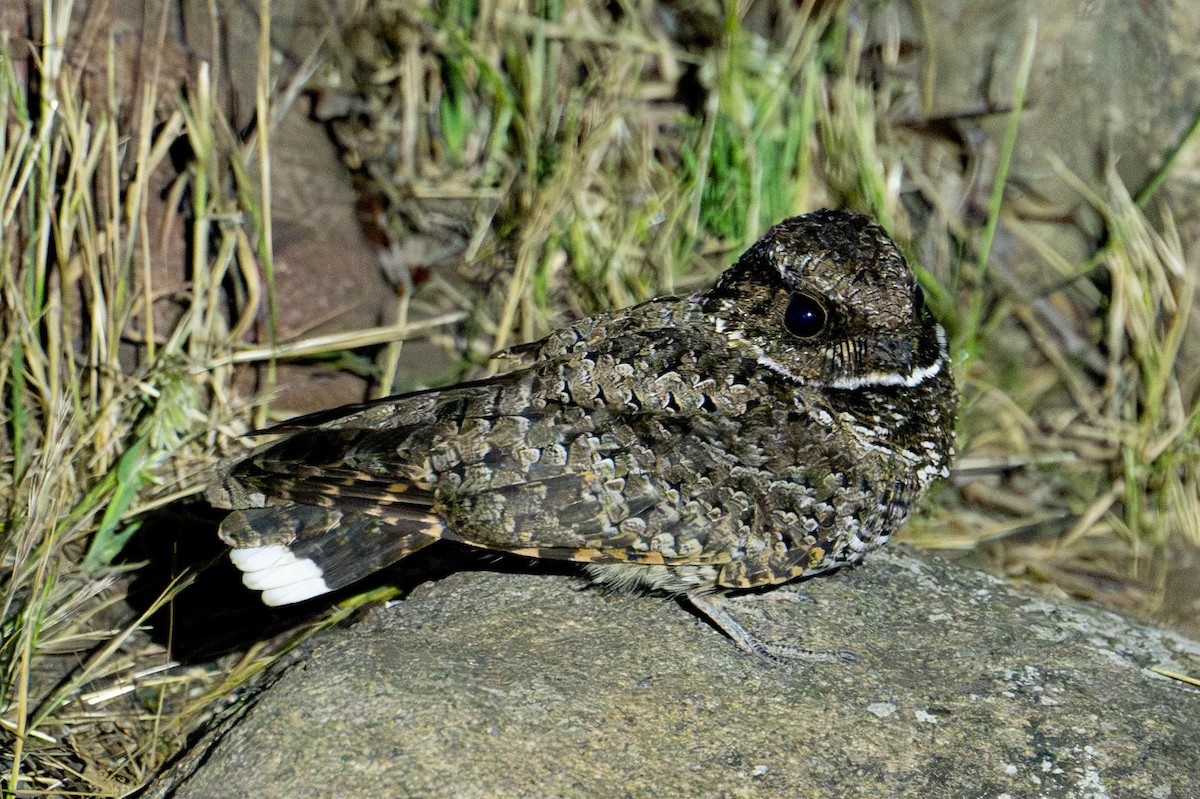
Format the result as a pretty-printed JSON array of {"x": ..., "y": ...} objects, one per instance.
[
  {"x": 914, "y": 378},
  {"x": 778, "y": 368}
]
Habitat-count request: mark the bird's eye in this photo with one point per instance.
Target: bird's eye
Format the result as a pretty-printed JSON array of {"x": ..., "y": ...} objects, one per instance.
[{"x": 804, "y": 317}]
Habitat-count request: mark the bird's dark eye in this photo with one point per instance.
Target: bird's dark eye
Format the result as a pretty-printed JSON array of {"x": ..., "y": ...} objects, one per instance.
[{"x": 804, "y": 317}]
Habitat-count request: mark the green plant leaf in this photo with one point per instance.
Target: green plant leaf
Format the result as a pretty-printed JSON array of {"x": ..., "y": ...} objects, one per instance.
[{"x": 131, "y": 475}]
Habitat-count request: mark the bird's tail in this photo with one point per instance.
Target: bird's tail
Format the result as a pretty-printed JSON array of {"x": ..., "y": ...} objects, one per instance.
[{"x": 292, "y": 552}]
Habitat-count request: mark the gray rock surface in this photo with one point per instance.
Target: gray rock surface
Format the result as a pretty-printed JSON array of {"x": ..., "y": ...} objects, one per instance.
[
  {"x": 503, "y": 685},
  {"x": 1112, "y": 84}
]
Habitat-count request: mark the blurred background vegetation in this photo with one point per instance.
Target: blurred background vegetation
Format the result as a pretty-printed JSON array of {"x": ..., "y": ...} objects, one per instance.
[{"x": 216, "y": 216}]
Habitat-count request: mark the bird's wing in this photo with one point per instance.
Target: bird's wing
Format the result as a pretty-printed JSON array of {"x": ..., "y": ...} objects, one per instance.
[{"x": 605, "y": 456}]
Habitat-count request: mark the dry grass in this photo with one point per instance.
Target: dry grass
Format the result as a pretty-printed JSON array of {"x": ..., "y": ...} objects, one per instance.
[
  {"x": 572, "y": 179},
  {"x": 116, "y": 401}
]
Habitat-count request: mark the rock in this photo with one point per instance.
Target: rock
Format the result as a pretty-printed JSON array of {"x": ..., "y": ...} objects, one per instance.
[
  {"x": 1112, "y": 84},
  {"x": 515, "y": 685}
]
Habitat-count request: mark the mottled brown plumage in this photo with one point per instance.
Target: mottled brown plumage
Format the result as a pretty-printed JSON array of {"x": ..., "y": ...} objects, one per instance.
[{"x": 771, "y": 428}]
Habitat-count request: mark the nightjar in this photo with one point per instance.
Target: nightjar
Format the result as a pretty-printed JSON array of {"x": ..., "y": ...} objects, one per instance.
[{"x": 774, "y": 427}]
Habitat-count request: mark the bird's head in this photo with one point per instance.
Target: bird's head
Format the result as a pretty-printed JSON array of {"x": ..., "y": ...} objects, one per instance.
[{"x": 827, "y": 300}]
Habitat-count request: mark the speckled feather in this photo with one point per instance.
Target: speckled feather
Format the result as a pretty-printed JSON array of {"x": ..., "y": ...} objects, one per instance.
[{"x": 685, "y": 444}]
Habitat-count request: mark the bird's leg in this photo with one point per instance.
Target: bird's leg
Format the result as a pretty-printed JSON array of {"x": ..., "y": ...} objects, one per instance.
[{"x": 712, "y": 606}]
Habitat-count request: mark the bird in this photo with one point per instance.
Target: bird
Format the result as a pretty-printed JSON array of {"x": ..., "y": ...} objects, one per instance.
[{"x": 776, "y": 426}]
